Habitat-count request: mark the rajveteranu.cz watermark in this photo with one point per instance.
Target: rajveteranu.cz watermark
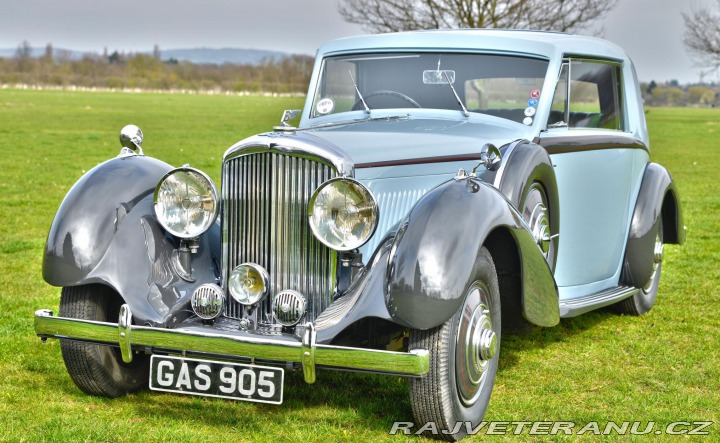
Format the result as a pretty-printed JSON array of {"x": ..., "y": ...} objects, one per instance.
[{"x": 556, "y": 428}]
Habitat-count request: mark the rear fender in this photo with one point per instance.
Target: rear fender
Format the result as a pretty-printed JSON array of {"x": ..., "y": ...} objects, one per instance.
[{"x": 658, "y": 197}]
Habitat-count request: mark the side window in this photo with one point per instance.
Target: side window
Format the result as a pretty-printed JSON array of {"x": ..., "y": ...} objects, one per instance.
[{"x": 595, "y": 96}]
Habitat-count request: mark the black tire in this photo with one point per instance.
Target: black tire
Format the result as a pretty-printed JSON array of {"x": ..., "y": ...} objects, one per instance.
[
  {"x": 96, "y": 369},
  {"x": 448, "y": 394},
  {"x": 644, "y": 300}
]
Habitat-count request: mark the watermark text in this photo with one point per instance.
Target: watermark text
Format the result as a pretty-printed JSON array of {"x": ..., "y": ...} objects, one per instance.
[{"x": 555, "y": 428}]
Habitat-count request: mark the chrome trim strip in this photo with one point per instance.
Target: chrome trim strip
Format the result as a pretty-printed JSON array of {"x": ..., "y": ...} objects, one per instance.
[
  {"x": 308, "y": 353},
  {"x": 420, "y": 161},
  {"x": 124, "y": 330},
  {"x": 414, "y": 363},
  {"x": 581, "y": 305},
  {"x": 295, "y": 144}
]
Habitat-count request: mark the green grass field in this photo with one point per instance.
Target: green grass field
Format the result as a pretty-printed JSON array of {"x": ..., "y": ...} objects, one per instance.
[{"x": 663, "y": 367}]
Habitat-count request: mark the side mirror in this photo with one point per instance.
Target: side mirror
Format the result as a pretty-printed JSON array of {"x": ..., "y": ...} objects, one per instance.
[{"x": 490, "y": 157}]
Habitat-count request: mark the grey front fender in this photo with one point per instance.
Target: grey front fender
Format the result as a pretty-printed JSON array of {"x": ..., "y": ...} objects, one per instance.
[
  {"x": 105, "y": 232},
  {"x": 434, "y": 252},
  {"x": 91, "y": 213}
]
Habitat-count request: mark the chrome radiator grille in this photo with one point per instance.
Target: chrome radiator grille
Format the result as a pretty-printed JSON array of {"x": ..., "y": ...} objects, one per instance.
[{"x": 265, "y": 221}]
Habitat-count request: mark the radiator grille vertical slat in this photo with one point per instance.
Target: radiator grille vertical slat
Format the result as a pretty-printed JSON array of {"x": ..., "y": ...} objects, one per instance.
[{"x": 265, "y": 221}]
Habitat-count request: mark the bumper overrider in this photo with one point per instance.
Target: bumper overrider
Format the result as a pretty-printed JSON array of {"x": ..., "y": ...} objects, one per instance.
[{"x": 214, "y": 343}]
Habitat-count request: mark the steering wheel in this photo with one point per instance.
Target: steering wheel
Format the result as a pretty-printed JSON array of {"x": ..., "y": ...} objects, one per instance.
[{"x": 358, "y": 104}]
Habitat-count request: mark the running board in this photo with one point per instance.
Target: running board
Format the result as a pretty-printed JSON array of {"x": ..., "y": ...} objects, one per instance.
[{"x": 581, "y": 305}]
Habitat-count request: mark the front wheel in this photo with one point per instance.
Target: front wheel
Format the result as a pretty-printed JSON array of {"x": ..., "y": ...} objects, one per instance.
[
  {"x": 464, "y": 355},
  {"x": 96, "y": 369}
]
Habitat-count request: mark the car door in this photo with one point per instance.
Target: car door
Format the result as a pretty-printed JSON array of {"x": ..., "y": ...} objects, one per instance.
[{"x": 598, "y": 165}]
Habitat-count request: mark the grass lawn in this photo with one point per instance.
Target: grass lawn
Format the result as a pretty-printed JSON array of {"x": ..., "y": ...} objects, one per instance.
[{"x": 663, "y": 367}]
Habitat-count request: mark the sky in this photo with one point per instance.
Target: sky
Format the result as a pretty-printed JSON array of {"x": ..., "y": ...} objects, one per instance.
[{"x": 650, "y": 31}]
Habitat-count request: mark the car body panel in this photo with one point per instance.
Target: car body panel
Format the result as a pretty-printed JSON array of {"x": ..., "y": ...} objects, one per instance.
[
  {"x": 91, "y": 213},
  {"x": 417, "y": 137},
  {"x": 106, "y": 230},
  {"x": 598, "y": 177},
  {"x": 657, "y": 199}
]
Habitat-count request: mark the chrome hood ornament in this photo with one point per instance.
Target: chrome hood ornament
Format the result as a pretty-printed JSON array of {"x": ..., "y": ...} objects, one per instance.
[
  {"x": 131, "y": 138},
  {"x": 288, "y": 115}
]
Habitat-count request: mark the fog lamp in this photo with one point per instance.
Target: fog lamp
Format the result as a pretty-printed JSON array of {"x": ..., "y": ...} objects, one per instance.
[
  {"x": 207, "y": 301},
  {"x": 248, "y": 283},
  {"x": 288, "y": 307}
]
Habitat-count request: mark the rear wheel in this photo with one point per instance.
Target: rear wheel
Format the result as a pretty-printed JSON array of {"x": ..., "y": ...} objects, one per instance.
[
  {"x": 644, "y": 300},
  {"x": 464, "y": 355},
  {"x": 95, "y": 369}
]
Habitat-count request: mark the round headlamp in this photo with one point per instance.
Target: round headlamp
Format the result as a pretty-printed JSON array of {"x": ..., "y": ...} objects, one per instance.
[
  {"x": 186, "y": 202},
  {"x": 343, "y": 214},
  {"x": 248, "y": 283}
]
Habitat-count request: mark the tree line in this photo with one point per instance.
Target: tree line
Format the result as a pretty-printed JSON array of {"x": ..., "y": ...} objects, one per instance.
[
  {"x": 147, "y": 71},
  {"x": 673, "y": 94}
]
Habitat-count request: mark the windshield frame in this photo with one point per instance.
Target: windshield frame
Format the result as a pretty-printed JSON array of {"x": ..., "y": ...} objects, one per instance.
[{"x": 312, "y": 118}]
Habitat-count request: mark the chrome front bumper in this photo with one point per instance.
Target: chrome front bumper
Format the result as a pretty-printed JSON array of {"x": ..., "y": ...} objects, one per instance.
[{"x": 181, "y": 341}]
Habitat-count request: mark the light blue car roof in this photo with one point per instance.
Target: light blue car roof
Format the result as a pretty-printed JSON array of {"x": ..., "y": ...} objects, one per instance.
[
  {"x": 553, "y": 46},
  {"x": 546, "y": 44}
]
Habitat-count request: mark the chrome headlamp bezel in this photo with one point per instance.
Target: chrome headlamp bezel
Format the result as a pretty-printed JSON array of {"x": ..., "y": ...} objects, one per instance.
[
  {"x": 370, "y": 204},
  {"x": 209, "y": 216}
]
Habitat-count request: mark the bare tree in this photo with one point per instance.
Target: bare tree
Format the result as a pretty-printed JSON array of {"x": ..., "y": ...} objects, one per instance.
[
  {"x": 702, "y": 36},
  {"x": 407, "y": 15},
  {"x": 23, "y": 51}
]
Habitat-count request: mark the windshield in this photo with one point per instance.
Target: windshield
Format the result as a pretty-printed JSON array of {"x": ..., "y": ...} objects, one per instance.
[{"x": 499, "y": 85}]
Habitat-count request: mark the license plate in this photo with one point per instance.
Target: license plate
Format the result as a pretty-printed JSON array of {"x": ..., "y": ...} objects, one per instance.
[{"x": 214, "y": 379}]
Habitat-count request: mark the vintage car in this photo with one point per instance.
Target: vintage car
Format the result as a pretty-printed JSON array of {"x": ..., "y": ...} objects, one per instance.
[{"x": 441, "y": 187}]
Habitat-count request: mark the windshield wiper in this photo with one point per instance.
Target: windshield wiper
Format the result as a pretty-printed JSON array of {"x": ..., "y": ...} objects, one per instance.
[
  {"x": 367, "y": 109},
  {"x": 457, "y": 97}
]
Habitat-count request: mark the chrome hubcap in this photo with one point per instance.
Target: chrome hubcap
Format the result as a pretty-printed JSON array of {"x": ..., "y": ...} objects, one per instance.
[
  {"x": 535, "y": 214},
  {"x": 477, "y": 345},
  {"x": 488, "y": 344},
  {"x": 657, "y": 259}
]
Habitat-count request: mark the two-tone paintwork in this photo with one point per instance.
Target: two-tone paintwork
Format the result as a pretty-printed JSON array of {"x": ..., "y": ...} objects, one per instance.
[
  {"x": 604, "y": 200},
  {"x": 598, "y": 172}
]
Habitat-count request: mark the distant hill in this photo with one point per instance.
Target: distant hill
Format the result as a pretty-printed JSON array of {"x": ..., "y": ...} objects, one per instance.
[
  {"x": 196, "y": 55},
  {"x": 223, "y": 55},
  {"x": 39, "y": 52}
]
